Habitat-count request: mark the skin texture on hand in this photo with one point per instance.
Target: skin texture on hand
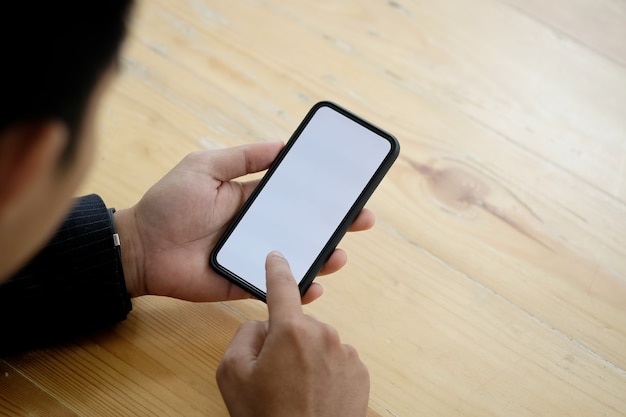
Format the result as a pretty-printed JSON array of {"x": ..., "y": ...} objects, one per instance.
[
  {"x": 166, "y": 238},
  {"x": 291, "y": 365}
]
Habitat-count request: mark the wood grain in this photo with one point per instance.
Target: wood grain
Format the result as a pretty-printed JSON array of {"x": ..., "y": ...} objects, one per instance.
[
  {"x": 494, "y": 282},
  {"x": 599, "y": 25},
  {"x": 21, "y": 396}
]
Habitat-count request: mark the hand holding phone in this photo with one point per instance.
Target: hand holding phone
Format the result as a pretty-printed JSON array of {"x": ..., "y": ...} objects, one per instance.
[{"x": 307, "y": 200}]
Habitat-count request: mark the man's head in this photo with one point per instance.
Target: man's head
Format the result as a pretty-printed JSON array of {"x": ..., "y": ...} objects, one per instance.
[{"x": 57, "y": 57}]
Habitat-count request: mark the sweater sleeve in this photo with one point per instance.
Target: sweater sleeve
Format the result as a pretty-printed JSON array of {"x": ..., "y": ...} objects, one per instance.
[{"x": 74, "y": 285}]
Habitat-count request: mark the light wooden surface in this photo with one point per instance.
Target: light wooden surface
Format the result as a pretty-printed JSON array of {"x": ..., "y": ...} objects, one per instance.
[{"x": 494, "y": 283}]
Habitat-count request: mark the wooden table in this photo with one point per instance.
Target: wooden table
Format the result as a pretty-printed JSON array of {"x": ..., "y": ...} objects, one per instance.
[{"x": 494, "y": 283}]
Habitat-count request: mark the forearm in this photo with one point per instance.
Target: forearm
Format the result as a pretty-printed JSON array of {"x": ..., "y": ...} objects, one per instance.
[{"x": 72, "y": 286}]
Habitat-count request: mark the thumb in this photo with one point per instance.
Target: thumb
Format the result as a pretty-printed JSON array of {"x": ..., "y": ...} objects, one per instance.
[{"x": 246, "y": 344}]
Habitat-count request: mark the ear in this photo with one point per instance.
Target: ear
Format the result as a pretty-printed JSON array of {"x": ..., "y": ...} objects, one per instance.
[{"x": 28, "y": 152}]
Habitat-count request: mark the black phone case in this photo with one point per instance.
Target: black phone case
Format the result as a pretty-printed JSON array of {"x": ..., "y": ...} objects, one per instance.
[{"x": 340, "y": 231}]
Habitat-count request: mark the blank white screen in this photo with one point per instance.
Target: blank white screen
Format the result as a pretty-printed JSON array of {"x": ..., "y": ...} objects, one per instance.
[{"x": 306, "y": 198}]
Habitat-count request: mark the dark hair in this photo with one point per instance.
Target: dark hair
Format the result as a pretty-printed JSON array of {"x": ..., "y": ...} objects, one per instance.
[{"x": 53, "y": 53}]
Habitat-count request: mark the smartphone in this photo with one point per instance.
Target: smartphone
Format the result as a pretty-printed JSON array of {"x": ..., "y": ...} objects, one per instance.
[{"x": 308, "y": 198}]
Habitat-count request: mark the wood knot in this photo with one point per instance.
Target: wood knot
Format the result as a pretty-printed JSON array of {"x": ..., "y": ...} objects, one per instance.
[{"x": 454, "y": 187}]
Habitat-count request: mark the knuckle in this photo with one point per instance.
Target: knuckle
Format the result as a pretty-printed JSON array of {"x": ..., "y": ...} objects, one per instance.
[
  {"x": 351, "y": 352},
  {"x": 300, "y": 329},
  {"x": 330, "y": 334},
  {"x": 193, "y": 156},
  {"x": 224, "y": 371},
  {"x": 353, "y": 356},
  {"x": 295, "y": 327},
  {"x": 228, "y": 369},
  {"x": 228, "y": 362}
]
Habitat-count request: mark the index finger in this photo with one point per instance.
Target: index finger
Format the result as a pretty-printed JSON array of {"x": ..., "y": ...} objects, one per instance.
[{"x": 283, "y": 295}]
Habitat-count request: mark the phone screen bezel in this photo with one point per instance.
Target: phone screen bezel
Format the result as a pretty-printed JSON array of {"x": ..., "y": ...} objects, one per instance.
[{"x": 342, "y": 227}]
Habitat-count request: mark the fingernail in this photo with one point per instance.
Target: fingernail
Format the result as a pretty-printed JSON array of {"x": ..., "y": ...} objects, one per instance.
[{"x": 277, "y": 253}]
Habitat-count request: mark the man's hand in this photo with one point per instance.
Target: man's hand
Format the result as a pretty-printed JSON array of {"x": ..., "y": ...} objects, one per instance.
[
  {"x": 167, "y": 237},
  {"x": 292, "y": 365}
]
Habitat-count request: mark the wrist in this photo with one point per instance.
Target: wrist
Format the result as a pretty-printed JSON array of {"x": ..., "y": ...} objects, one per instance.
[{"x": 131, "y": 255}]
